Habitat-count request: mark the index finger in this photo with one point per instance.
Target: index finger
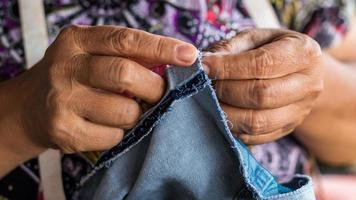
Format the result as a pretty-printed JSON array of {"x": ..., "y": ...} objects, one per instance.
[
  {"x": 283, "y": 56},
  {"x": 133, "y": 43}
]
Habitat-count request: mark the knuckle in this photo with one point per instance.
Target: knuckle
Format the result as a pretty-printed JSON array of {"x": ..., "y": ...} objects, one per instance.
[
  {"x": 68, "y": 32},
  {"x": 260, "y": 94},
  {"x": 263, "y": 62},
  {"x": 54, "y": 101},
  {"x": 159, "y": 49},
  {"x": 316, "y": 89},
  {"x": 250, "y": 35},
  {"x": 58, "y": 131},
  {"x": 312, "y": 47},
  {"x": 130, "y": 114},
  {"x": 225, "y": 70},
  {"x": 254, "y": 123},
  {"x": 60, "y": 70},
  {"x": 246, "y": 139},
  {"x": 76, "y": 66},
  {"x": 65, "y": 32},
  {"x": 58, "y": 109},
  {"x": 57, "y": 101},
  {"x": 122, "y": 74},
  {"x": 315, "y": 84},
  {"x": 94, "y": 67},
  {"x": 288, "y": 128},
  {"x": 73, "y": 141},
  {"x": 67, "y": 42},
  {"x": 121, "y": 39},
  {"x": 61, "y": 127},
  {"x": 219, "y": 89},
  {"x": 319, "y": 86}
]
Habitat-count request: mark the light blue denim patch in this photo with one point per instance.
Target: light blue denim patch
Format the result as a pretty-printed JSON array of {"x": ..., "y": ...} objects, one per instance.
[{"x": 183, "y": 149}]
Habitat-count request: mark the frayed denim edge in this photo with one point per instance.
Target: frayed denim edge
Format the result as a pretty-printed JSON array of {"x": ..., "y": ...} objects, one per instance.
[
  {"x": 173, "y": 96},
  {"x": 296, "y": 194},
  {"x": 236, "y": 144}
]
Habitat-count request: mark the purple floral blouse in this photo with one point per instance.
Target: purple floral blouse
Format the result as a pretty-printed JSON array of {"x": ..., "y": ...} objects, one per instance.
[{"x": 201, "y": 22}]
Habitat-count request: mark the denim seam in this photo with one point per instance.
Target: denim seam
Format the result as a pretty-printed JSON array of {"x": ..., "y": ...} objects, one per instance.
[
  {"x": 236, "y": 144},
  {"x": 187, "y": 89},
  {"x": 232, "y": 142},
  {"x": 301, "y": 190}
]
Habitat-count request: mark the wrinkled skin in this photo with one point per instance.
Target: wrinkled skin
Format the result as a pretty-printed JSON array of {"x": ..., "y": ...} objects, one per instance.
[
  {"x": 267, "y": 81},
  {"x": 76, "y": 98},
  {"x": 79, "y": 89}
]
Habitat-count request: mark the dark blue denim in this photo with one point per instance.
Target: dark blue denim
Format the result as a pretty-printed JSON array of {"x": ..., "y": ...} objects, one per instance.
[{"x": 183, "y": 149}]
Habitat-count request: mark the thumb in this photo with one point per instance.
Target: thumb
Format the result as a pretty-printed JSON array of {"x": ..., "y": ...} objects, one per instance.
[{"x": 246, "y": 40}]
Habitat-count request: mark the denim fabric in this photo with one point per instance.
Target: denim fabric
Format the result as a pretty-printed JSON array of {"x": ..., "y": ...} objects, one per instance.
[{"x": 183, "y": 149}]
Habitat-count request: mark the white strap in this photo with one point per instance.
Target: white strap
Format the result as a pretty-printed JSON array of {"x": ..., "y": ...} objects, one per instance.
[
  {"x": 36, "y": 41},
  {"x": 34, "y": 31},
  {"x": 262, "y": 13},
  {"x": 35, "y": 37},
  {"x": 51, "y": 175}
]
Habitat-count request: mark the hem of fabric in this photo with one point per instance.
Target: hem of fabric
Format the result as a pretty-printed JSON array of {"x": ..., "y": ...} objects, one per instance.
[
  {"x": 151, "y": 119},
  {"x": 265, "y": 186}
]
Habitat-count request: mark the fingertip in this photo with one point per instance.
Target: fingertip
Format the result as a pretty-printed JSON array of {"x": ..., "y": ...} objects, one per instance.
[
  {"x": 114, "y": 140},
  {"x": 186, "y": 54},
  {"x": 119, "y": 135},
  {"x": 245, "y": 138},
  {"x": 158, "y": 92}
]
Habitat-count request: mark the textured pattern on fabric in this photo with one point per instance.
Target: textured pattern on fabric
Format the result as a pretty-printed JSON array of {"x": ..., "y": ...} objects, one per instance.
[
  {"x": 257, "y": 182},
  {"x": 150, "y": 120},
  {"x": 326, "y": 21},
  {"x": 201, "y": 22}
]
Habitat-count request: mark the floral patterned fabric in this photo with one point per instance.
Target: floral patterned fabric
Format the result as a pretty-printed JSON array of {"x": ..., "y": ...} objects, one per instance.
[{"x": 201, "y": 22}]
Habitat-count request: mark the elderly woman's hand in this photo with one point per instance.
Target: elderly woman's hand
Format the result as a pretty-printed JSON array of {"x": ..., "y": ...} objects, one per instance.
[
  {"x": 267, "y": 81},
  {"x": 77, "y": 95}
]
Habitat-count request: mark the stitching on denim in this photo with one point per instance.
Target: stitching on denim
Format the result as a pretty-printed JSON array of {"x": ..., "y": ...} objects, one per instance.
[
  {"x": 302, "y": 191},
  {"x": 257, "y": 192},
  {"x": 235, "y": 145},
  {"x": 143, "y": 129},
  {"x": 190, "y": 87}
]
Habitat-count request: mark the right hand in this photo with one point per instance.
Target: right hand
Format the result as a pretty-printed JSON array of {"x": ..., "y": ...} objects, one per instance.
[{"x": 73, "y": 98}]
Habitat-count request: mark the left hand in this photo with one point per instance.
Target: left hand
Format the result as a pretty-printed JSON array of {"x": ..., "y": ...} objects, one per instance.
[{"x": 267, "y": 81}]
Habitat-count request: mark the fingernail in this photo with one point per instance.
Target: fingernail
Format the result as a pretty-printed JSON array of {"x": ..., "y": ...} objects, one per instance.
[
  {"x": 206, "y": 68},
  {"x": 186, "y": 53}
]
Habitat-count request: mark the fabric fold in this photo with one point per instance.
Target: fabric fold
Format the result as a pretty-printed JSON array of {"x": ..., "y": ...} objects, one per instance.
[{"x": 182, "y": 148}]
